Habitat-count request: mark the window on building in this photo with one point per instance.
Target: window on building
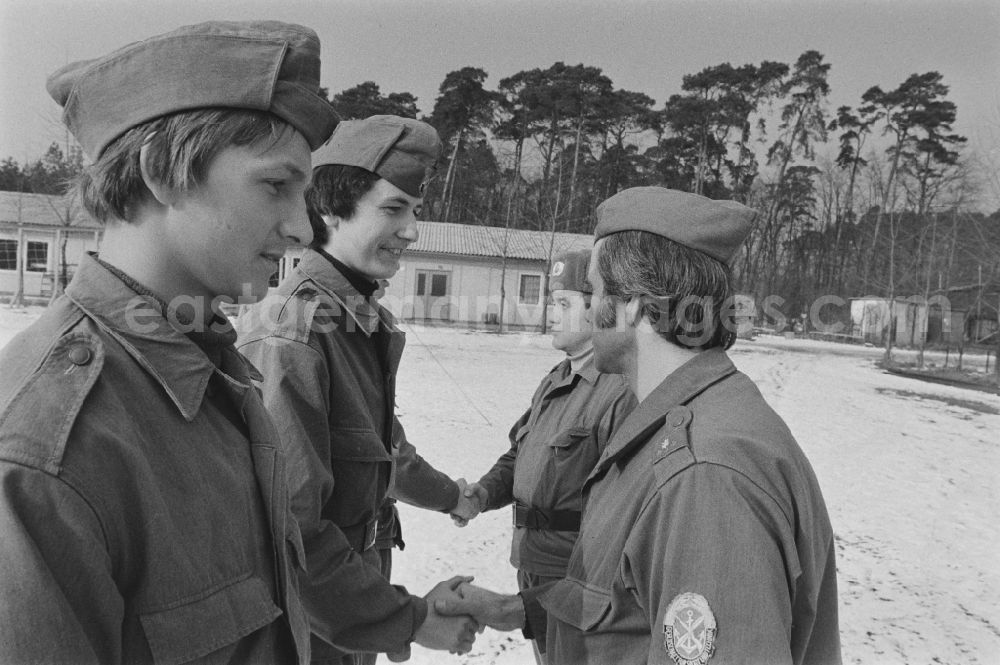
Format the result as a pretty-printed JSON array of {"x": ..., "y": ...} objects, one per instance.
[
  {"x": 38, "y": 256},
  {"x": 531, "y": 286},
  {"x": 439, "y": 285},
  {"x": 8, "y": 254}
]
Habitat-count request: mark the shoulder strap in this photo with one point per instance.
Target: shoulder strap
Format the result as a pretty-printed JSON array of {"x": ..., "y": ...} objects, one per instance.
[{"x": 36, "y": 421}]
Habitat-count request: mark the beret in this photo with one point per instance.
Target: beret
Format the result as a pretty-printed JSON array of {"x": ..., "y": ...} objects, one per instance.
[
  {"x": 257, "y": 65},
  {"x": 401, "y": 150},
  {"x": 569, "y": 272},
  {"x": 716, "y": 228}
]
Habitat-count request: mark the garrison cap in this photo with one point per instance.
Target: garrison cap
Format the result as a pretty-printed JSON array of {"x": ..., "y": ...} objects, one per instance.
[
  {"x": 715, "y": 228},
  {"x": 257, "y": 65},
  {"x": 569, "y": 272},
  {"x": 401, "y": 150}
]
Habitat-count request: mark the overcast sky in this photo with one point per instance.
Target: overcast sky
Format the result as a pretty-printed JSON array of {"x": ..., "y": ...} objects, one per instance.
[{"x": 644, "y": 46}]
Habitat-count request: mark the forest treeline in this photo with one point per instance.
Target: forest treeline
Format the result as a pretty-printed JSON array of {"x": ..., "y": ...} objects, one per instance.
[{"x": 878, "y": 198}]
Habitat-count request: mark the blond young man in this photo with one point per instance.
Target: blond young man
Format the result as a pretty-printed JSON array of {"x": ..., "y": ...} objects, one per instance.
[{"x": 144, "y": 512}]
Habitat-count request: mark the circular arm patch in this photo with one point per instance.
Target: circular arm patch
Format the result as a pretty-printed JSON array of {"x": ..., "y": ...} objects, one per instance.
[{"x": 689, "y": 630}]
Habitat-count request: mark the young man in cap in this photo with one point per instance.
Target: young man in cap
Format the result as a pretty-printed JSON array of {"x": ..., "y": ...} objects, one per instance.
[
  {"x": 144, "y": 513},
  {"x": 705, "y": 538},
  {"x": 329, "y": 351},
  {"x": 557, "y": 441}
]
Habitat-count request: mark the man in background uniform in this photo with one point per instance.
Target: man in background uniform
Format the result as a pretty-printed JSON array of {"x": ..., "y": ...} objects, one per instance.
[
  {"x": 705, "y": 538},
  {"x": 557, "y": 441},
  {"x": 329, "y": 351}
]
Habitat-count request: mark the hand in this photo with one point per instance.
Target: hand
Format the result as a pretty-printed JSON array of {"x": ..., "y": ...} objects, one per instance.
[
  {"x": 487, "y": 607},
  {"x": 454, "y": 633},
  {"x": 471, "y": 501}
]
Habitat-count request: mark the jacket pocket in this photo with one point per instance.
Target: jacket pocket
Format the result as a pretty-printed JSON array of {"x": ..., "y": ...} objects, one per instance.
[
  {"x": 570, "y": 438},
  {"x": 354, "y": 444},
  {"x": 357, "y": 457},
  {"x": 581, "y": 606},
  {"x": 194, "y": 629}
]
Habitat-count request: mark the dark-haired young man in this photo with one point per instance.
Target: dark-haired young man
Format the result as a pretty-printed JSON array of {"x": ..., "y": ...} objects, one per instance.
[
  {"x": 329, "y": 351},
  {"x": 705, "y": 538}
]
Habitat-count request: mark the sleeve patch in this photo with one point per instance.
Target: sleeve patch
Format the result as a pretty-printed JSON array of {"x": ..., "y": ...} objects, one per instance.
[{"x": 689, "y": 630}]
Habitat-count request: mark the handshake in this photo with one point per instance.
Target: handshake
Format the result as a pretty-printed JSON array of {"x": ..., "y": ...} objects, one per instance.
[
  {"x": 457, "y": 610},
  {"x": 472, "y": 500}
]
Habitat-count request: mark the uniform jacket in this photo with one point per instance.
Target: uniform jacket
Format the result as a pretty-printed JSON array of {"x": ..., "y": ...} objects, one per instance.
[
  {"x": 554, "y": 446},
  {"x": 143, "y": 509},
  {"x": 704, "y": 536},
  {"x": 329, "y": 358}
]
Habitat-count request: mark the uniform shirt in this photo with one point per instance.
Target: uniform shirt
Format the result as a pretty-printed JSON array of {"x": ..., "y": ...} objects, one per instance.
[
  {"x": 143, "y": 508},
  {"x": 329, "y": 358},
  {"x": 704, "y": 537},
  {"x": 554, "y": 446}
]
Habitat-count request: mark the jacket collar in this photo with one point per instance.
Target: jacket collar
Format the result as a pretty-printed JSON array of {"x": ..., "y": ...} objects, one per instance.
[
  {"x": 361, "y": 284},
  {"x": 680, "y": 387},
  {"x": 365, "y": 311},
  {"x": 588, "y": 372},
  {"x": 169, "y": 356}
]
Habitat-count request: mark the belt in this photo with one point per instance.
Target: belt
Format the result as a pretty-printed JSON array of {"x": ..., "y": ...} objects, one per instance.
[
  {"x": 530, "y": 517},
  {"x": 361, "y": 536}
]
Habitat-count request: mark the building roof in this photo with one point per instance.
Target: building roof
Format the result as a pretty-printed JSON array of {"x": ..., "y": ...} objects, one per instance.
[
  {"x": 435, "y": 237},
  {"x": 43, "y": 210},
  {"x": 466, "y": 240}
]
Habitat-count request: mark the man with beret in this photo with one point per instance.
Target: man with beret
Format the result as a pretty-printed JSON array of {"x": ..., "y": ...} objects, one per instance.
[
  {"x": 557, "y": 441},
  {"x": 144, "y": 512},
  {"x": 705, "y": 538},
  {"x": 329, "y": 351}
]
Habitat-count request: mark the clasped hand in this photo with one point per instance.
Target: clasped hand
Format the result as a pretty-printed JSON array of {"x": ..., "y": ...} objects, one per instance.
[
  {"x": 487, "y": 608},
  {"x": 471, "y": 501},
  {"x": 455, "y": 632}
]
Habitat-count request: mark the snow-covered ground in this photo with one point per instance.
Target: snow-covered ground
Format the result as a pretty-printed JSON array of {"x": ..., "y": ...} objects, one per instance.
[{"x": 910, "y": 472}]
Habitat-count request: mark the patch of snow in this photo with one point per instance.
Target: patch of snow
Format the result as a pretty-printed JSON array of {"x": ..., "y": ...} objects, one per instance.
[{"x": 910, "y": 472}]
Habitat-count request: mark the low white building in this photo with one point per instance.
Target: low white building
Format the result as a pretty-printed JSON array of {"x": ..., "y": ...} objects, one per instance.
[
  {"x": 453, "y": 275},
  {"x": 33, "y": 229},
  {"x": 872, "y": 319},
  {"x": 912, "y": 321}
]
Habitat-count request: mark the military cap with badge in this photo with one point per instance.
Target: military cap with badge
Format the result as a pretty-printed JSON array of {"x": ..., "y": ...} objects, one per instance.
[{"x": 569, "y": 272}]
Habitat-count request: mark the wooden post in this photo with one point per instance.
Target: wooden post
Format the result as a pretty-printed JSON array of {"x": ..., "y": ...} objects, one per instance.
[{"x": 18, "y": 298}]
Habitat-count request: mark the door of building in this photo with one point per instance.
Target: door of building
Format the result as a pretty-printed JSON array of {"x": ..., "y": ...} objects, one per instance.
[{"x": 433, "y": 303}]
